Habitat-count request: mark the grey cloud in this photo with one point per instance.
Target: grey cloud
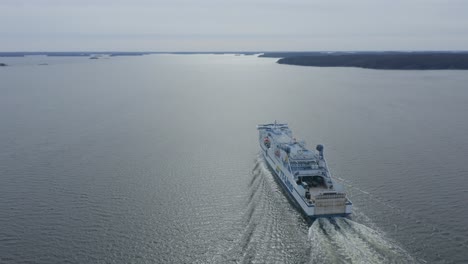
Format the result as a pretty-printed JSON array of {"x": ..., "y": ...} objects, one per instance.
[{"x": 214, "y": 25}]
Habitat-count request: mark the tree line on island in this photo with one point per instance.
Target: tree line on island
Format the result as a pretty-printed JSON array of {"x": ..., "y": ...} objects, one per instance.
[{"x": 376, "y": 60}]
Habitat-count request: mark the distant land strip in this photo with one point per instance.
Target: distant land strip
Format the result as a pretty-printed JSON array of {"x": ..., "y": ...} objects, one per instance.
[
  {"x": 112, "y": 53},
  {"x": 384, "y": 60},
  {"x": 71, "y": 54},
  {"x": 376, "y": 60}
]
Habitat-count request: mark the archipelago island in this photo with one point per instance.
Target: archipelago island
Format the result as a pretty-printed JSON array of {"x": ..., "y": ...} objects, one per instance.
[{"x": 427, "y": 60}]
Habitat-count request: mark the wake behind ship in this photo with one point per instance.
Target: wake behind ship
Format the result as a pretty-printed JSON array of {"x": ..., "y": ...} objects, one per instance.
[{"x": 303, "y": 173}]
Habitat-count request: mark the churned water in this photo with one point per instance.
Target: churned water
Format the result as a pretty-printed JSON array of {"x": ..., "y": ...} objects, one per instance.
[{"x": 155, "y": 159}]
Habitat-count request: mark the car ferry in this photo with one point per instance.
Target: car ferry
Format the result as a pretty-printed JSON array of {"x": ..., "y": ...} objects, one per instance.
[{"x": 302, "y": 173}]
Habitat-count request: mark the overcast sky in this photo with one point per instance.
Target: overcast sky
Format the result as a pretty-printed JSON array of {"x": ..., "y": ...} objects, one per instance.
[{"x": 232, "y": 25}]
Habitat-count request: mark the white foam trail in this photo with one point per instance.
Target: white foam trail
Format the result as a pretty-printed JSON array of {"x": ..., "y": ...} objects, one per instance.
[
  {"x": 270, "y": 232},
  {"x": 340, "y": 240}
]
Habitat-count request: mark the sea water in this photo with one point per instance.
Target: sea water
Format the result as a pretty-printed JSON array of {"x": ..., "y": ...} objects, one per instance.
[{"x": 156, "y": 159}]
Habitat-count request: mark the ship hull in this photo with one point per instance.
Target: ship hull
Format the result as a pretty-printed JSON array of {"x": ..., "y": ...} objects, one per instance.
[{"x": 285, "y": 180}]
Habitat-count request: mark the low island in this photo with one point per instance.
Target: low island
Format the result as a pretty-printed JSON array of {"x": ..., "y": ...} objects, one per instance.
[
  {"x": 3, "y": 64},
  {"x": 377, "y": 60}
]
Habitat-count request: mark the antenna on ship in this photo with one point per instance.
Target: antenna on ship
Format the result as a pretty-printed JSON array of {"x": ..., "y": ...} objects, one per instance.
[{"x": 319, "y": 148}]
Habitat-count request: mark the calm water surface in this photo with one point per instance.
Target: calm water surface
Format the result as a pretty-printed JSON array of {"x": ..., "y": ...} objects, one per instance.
[{"x": 155, "y": 159}]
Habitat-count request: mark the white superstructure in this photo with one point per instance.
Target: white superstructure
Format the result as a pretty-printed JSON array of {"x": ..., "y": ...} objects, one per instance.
[{"x": 303, "y": 173}]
